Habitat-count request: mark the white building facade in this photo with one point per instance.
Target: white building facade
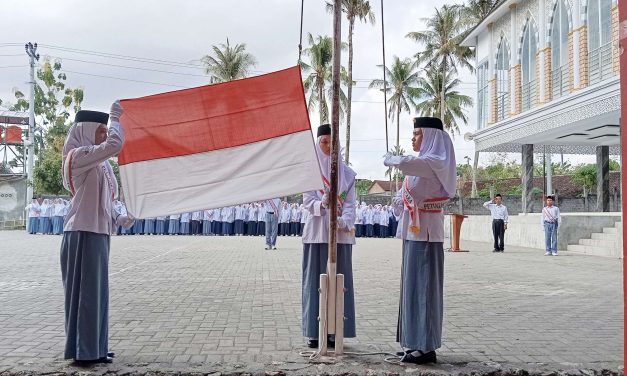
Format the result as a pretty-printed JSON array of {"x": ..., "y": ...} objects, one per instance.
[{"x": 548, "y": 82}]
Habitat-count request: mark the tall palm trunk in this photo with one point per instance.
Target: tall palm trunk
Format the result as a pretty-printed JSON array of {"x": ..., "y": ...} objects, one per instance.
[
  {"x": 351, "y": 26},
  {"x": 321, "y": 103},
  {"x": 442, "y": 94}
]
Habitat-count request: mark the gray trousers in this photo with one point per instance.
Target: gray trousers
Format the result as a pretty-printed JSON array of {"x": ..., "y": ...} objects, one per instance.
[{"x": 272, "y": 228}]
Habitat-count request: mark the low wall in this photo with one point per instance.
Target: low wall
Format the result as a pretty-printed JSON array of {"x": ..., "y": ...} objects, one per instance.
[{"x": 525, "y": 230}]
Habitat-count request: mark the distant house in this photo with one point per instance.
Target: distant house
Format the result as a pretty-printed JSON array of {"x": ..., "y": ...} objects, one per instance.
[{"x": 380, "y": 187}]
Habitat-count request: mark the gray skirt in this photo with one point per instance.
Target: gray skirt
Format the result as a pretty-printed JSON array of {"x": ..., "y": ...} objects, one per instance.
[
  {"x": 315, "y": 263},
  {"x": 85, "y": 274},
  {"x": 421, "y": 302}
]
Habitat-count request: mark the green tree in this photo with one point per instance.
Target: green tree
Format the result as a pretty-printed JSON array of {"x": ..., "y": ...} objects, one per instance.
[
  {"x": 441, "y": 40},
  {"x": 228, "y": 63},
  {"x": 454, "y": 106},
  {"x": 317, "y": 83},
  {"x": 354, "y": 10},
  {"x": 54, "y": 104},
  {"x": 362, "y": 186},
  {"x": 475, "y": 11},
  {"x": 54, "y": 101},
  {"x": 585, "y": 175}
]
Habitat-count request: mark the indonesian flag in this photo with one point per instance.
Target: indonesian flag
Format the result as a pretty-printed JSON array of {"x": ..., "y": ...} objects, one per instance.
[{"x": 217, "y": 145}]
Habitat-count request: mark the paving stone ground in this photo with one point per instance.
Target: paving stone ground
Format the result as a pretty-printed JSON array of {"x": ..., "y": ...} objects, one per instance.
[{"x": 215, "y": 304}]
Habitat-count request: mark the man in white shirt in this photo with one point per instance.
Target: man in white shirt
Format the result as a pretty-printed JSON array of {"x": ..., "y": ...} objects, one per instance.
[
  {"x": 499, "y": 221},
  {"x": 551, "y": 221}
]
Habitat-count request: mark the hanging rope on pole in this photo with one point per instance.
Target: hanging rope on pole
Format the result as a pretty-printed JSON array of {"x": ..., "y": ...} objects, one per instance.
[
  {"x": 300, "y": 43},
  {"x": 385, "y": 97}
]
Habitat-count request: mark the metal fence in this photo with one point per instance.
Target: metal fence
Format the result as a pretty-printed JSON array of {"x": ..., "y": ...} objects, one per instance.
[
  {"x": 529, "y": 95},
  {"x": 560, "y": 80},
  {"x": 600, "y": 64},
  {"x": 502, "y": 106}
]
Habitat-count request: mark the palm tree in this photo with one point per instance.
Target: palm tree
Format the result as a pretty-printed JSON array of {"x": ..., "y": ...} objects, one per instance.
[
  {"x": 441, "y": 40},
  {"x": 317, "y": 83},
  {"x": 353, "y": 9},
  {"x": 453, "y": 107},
  {"x": 228, "y": 63},
  {"x": 476, "y": 10},
  {"x": 403, "y": 78}
]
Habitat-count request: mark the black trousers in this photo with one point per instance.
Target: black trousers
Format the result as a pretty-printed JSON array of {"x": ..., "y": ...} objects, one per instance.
[{"x": 498, "y": 230}]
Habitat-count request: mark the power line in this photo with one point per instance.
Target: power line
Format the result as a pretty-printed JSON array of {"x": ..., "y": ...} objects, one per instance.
[
  {"x": 129, "y": 67},
  {"x": 125, "y": 79},
  {"x": 13, "y": 66}
]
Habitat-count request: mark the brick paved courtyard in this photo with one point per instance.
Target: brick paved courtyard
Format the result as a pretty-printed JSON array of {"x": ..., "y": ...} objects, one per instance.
[{"x": 205, "y": 304}]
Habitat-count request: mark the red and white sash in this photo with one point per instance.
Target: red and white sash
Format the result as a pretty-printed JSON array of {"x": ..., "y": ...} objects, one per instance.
[
  {"x": 327, "y": 187},
  {"x": 432, "y": 205},
  {"x": 546, "y": 212},
  {"x": 274, "y": 208}
]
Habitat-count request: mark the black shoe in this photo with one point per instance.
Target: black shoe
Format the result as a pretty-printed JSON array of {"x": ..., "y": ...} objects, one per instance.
[
  {"x": 424, "y": 358},
  {"x": 495, "y": 250},
  {"x": 330, "y": 343},
  {"x": 402, "y": 353},
  {"x": 312, "y": 343},
  {"x": 83, "y": 363},
  {"x": 111, "y": 354}
]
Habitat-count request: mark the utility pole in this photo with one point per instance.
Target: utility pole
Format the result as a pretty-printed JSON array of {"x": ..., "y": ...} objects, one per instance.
[{"x": 31, "y": 51}]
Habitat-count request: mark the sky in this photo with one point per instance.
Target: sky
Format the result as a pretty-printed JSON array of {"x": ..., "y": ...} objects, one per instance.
[{"x": 183, "y": 31}]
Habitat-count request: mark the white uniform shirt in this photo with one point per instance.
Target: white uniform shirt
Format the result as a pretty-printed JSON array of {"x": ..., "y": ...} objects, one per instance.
[
  {"x": 185, "y": 217},
  {"x": 261, "y": 214},
  {"x": 431, "y": 223},
  {"x": 207, "y": 215},
  {"x": 317, "y": 226},
  {"x": 497, "y": 211},
  {"x": 33, "y": 210},
  {"x": 252, "y": 213},
  {"x": 551, "y": 214}
]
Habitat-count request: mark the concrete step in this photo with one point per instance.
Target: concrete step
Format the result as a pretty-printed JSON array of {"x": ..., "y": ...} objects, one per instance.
[
  {"x": 595, "y": 251},
  {"x": 619, "y": 225},
  {"x": 600, "y": 243},
  {"x": 604, "y": 236},
  {"x": 611, "y": 230}
]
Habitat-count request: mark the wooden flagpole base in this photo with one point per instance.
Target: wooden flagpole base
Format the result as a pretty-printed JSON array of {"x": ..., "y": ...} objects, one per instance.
[{"x": 323, "y": 315}]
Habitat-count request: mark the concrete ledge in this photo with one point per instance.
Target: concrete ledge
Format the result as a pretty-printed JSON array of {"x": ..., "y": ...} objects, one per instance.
[{"x": 525, "y": 230}]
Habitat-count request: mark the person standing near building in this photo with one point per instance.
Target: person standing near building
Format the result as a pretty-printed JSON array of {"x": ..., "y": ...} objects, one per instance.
[
  {"x": 261, "y": 219},
  {"x": 551, "y": 221},
  {"x": 273, "y": 211},
  {"x": 499, "y": 221},
  {"x": 430, "y": 181}
]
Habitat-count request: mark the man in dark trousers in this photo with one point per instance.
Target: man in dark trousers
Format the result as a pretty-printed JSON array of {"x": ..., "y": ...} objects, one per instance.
[{"x": 499, "y": 221}]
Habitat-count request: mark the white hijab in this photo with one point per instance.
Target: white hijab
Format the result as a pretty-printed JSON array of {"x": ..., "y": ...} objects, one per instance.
[
  {"x": 346, "y": 176},
  {"x": 437, "y": 150},
  {"x": 81, "y": 134}
]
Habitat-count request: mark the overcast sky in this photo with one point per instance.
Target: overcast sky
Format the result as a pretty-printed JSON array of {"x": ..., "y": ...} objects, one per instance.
[{"x": 184, "y": 31}]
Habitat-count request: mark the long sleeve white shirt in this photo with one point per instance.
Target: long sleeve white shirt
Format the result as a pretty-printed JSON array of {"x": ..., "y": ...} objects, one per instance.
[
  {"x": 551, "y": 214},
  {"x": 317, "y": 226},
  {"x": 497, "y": 211}
]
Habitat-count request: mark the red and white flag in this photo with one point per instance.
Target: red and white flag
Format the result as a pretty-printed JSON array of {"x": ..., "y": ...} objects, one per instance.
[{"x": 217, "y": 145}]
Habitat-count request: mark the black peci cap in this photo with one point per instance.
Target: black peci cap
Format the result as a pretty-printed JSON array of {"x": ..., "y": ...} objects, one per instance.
[
  {"x": 91, "y": 116},
  {"x": 428, "y": 122},
  {"x": 324, "y": 130}
]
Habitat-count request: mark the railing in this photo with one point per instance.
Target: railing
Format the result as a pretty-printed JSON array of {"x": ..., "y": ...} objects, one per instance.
[
  {"x": 560, "y": 80},
  {"x": 528, "y": 94},
  {"x": 502, "y": 106},
  {"x": 600, "y": 64}
]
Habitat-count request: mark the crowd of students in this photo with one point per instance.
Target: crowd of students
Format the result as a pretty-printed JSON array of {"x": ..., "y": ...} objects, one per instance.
[{"x": 46, "y": 217}]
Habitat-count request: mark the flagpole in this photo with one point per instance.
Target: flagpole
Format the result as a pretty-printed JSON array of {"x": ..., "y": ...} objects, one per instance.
[{"x": 333, "y": 194}]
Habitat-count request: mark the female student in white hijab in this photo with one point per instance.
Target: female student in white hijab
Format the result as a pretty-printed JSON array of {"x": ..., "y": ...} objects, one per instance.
[
  {"x": 90, "y": 220},
  {"x": 316, "y": 238},
  {"x": 430, "y": 180},
  {"x": 57, "y": 217},
  {"x": 34, "y": 210},
  {"x": 44, "y": 217},
  {"x": 174, "y": 225}
]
